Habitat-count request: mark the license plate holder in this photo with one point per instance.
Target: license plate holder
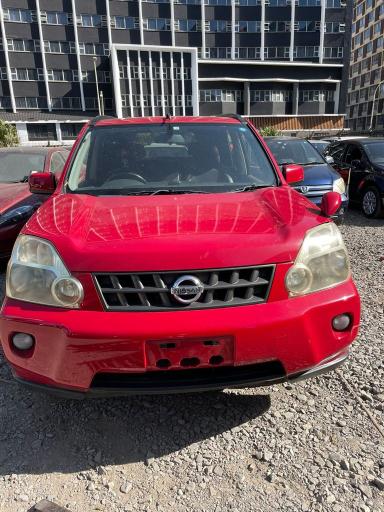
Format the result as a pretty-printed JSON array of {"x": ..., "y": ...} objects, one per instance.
[{"x": 185, "y": 353}]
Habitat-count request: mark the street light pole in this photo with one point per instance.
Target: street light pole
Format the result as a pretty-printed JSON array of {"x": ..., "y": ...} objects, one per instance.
[
  {"x": 97, "y": 84},
  {"x": 373, "y": 103}
]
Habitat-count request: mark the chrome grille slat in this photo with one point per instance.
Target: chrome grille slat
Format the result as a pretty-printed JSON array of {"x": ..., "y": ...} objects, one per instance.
[
  {"x": 314, "y": 190},
  {"x": 151, "y": 291},
  {"x": 139, "y": 286},
  {"x": 219, "y": 286}
]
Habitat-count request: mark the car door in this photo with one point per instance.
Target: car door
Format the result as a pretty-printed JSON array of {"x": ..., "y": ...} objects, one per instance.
[{"x": 355, "y": 153}]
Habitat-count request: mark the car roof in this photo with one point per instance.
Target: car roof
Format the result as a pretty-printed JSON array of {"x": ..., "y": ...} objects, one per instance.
[
  {"x": 171, "y": 120},
  {"x": 32, "y": 149},
  {"x": 362, "y": 140},
  {"x": 313, "y": 141}
]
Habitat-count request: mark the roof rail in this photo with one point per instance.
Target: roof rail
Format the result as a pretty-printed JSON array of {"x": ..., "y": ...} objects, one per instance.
[
  {"x": 234, "y": 116},
  {"x": 94, "y": 120}
]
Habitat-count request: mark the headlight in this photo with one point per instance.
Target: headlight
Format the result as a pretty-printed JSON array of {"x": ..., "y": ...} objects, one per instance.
[
  {"x": 339, "y": 186},
  {"x": 16, "y": 215},
  {"x": 37, "y": 274},
  {"x": 322, "y": 262}
]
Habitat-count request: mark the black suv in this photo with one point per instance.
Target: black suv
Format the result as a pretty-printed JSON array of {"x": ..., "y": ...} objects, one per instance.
[{"x": 360, "y": 162}]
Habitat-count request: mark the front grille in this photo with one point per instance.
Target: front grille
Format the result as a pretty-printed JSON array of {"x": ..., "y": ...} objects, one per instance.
[
  {"x": 314, "y": 190},
  {"x": 193, "y": 379},
  {"x": 151, "y": 291}
]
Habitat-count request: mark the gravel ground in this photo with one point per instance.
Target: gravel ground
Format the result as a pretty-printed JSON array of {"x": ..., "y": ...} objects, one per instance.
[{"x": 303, "y": 447}]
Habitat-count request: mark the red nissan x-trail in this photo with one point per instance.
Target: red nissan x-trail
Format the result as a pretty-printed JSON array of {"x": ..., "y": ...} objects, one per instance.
[{"x": 173, "y": 256}]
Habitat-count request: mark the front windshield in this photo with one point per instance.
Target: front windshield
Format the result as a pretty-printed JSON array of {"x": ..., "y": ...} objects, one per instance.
[
  {"x": 375, "y": 152},
  {"x": 293, "y": 151},
  {"x": 169, "y": 158},
  {"x": 16, "y": 167}
]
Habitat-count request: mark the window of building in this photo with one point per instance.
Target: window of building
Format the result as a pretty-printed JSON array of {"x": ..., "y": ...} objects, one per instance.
[
  {"x": 335, "y": 52},
  {"x": 157, "y": 24},
  {"x": 125, "y": 22},
  {"x": 24, "y": 103},
  {"x": 247, "y": 26},
  {"x": 90, "y": 20},
  {"x": 264, "y": 96},
  {"x": 187, "y": 25},
  {"x": 5, "y": 102},
  {"x": 310, "y": 96},
  {"x": 278, "y": 3},
  {"x": 38, "y": 132},
  {"x": 23, "y": 45},
  {"x": 57, "y": 18},
  {"x": 218, "y": 26},
  {"x": 66, "y": 103},
  {"x": 333, "y": 27},
  {"x": 18, "y": 15},
  {"x": 219, "y": 95}
]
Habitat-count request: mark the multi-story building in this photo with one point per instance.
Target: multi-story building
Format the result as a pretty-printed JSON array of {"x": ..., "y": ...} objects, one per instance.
[
  {"x": 283, "y": 62},
  {"x": 366, "y": 84}
]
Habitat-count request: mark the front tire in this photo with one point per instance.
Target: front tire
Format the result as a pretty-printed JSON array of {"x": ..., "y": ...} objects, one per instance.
[{"x": 371, "y": 203}]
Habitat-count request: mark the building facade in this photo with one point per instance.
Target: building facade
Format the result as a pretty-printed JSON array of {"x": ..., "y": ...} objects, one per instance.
[
  {"x": 366, "y": 85},
  {"x": 282, "y": 62}
]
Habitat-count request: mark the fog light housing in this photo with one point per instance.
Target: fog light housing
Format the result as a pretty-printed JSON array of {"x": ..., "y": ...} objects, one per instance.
[
  {"x": 23, "y": 341},
  {"x": 341, "y": 322}
]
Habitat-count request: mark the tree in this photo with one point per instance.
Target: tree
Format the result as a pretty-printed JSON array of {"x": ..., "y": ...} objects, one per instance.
[
  {"x": 269, "y": 131},
  {"x": 8, "y": 135}
]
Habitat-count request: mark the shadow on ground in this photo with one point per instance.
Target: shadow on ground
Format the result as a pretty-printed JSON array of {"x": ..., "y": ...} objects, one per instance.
[{"x": 42, "y": 434}]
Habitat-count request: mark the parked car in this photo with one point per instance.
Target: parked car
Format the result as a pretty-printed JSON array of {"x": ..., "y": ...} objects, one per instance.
[
  {"x": 360, "y": 162},
  {"x": 167, "y": 271},
  {"x": 17, "y": 203},
  {"x": 319, "y": 176}
]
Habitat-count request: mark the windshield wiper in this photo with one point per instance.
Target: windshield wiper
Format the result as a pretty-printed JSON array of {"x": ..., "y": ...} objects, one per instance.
[
  {"x": 249, "y": 188},
  {"x": 165, "y": 191}
]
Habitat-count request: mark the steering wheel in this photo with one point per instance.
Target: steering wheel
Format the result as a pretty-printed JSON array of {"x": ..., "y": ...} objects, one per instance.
[{"x": 129, "y": 175}]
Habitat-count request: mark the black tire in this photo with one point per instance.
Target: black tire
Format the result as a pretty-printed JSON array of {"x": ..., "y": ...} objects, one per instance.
[{"x": 371, "y": 203}]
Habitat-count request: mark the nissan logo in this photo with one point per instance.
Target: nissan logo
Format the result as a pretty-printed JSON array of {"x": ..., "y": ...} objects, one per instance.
[{"x": 187, "y": 289}]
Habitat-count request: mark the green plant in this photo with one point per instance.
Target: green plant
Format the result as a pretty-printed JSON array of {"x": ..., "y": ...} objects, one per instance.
[
  {"x": 8, "y": 135},
  {"x": 269, "y": 131}
]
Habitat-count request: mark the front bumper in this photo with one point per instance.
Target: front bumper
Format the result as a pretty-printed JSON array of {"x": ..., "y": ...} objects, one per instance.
[{"x": 87, "y": 352}]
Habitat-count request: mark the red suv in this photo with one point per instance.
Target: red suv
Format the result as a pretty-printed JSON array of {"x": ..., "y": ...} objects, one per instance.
[{"x": 173, "y": 256}]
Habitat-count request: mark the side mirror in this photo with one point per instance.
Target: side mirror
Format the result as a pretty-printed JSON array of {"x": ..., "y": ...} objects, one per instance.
[
  {"x": 330, "y": 203},
  {"x": 356, "y": 164},
  {"x": 293, "y": 173},
  {"x": 329, "y": 159},
  {"x": 42, "y": 183}
]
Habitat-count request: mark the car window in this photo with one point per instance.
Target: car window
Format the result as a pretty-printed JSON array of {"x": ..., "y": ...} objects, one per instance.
[
  {"x": 57, "y": 162},
  {"x": 353, "y": 153},
  {"x": 375, "y": 151},
  {"x": 186, "y": 157},
  {"x": 17, "y": 166}
]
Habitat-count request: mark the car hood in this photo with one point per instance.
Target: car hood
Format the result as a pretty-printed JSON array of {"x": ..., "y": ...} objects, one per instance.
[
  {"x": 11, "y": 194},
  {"x": 175, "y": 232},
  {"x": 320, "y": 174}
]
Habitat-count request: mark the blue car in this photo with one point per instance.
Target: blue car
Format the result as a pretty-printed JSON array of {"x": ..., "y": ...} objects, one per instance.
[{"x": 319, "y": 176}]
